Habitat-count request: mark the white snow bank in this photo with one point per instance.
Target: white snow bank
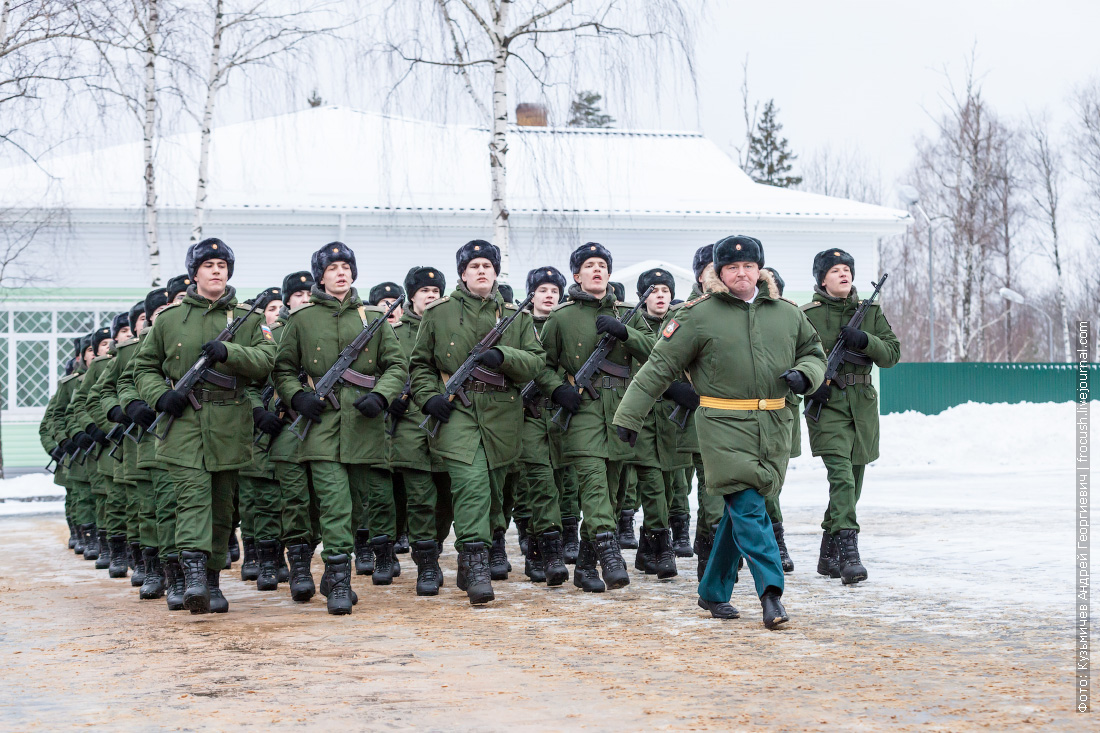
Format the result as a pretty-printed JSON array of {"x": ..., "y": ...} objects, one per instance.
[{"x": 29, "y": 486}]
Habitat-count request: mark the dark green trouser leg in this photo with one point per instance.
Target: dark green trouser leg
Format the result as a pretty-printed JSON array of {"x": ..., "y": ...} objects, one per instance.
[
  {"x": 678, "y": 484},
  {"x": 115, "y": 507},
  {"x": 133, "y": 510},
  {"x": 400, "y": 503},
  {"x": 294, "y": 488},
  {"x": 626, "y": 494},
  {"x": 332, "y": 482},
  {"x": 246, "y": 503},
  {"x": 164, "y": 496},
  {"x": 597, "y": 481},
  {"x": 566, "y": 479},
  {"x": 744, "y": 531},
  {"x": 654, "y": 496},
  {"x": 375, "y": 486},
  {"x": 444, "y": 506},
  {"x": 845, "y": 486},
  {"x": 472, "y": 488},
  {"x": 420, "y": 493},
  {"x": 774, "y": 512},
  {"x": 314, "y": 508},
  {"x": 98, "y": 482},
  {"x": 83, "y": 502},
  {"x": 147, "y": 517},
  {"x": 503, "y": 500},
  {"x": 542, "y": 497},
  {"x": 711, "y": 508},
  {"x": 267, "y": 521},
  {"x": 204, "y": 510},
  {"x": 521, "y": 487}
]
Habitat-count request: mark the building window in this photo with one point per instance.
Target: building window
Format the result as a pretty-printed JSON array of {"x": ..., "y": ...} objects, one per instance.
[
  {"x": 32, "y": 370},
  {"x": 32, "y": 321}
]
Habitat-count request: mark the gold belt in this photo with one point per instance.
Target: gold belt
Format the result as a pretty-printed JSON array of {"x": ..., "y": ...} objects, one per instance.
[{"x": 718, "y": 403}]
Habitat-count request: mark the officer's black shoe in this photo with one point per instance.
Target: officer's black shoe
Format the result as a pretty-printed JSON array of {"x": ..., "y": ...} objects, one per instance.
[
  {"x": 784, "y": 556},
  {"x": 626, "y": 537},
  {"x": 774, "y": 613},
  {"x": 117, "y": 562},
  {"x": 173, "y": 582},
  {"x": 474, "y": 575},
  {"x": 429, "y": 576},
  {"x": 282, "y": 570},
  {"x": 703, "y": 546},
  {"x": 73, "y": 532},
  {"x": 534, "y": 567},
  {"x": 827, "y": 562},
  {"x": 645, "y": 559},
  {"x": 550, "y": 547},
  {"x": 585, "y": 575},
  {"x": 570, "y": 539},
  {"x": 401, "y": 547},
  {"x": 103, "y": 560},
  {"x": 719, "y": 610},
  {"x": 681, "y": 527},
  {"x": 138, "y": 565},
  {"x": 364, "y": 555},
  {"x": 250, "y": 568},
  {"x": 234, "y": 547},
  {"x": 196, "y": 590},
  {"x": 851, "y": 567},
  {"x": 153, "y": 587},
  {"x": 522, "y": 523},
  {"x": 383, "y": 560},
  {"x": 218, "y": 602},
  {"x": 267, "y": 552},
  {"x": 612, "y": 565},
  {"x": 498, "y": 557},
  {"x": 301, "y": 578},
  {"x": 338, "y": 568},
  {"x": 665, "y": 556}
]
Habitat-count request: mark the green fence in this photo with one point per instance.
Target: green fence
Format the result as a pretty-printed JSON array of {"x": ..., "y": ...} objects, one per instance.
[{"x": 933, "y": 387}]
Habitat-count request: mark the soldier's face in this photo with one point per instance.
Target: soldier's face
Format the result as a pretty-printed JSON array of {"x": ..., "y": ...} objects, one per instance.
[
  {"x": 88, "y": 355},
  {"x": 740, "y": 278},
  {"x": 297, "y": 298},
  {"x": 179, "y": 297},
  {"x": 337, "y": 279},
  {"x": 397, "y": 312},
  {"x": 140, "y": 325},
  {"x": 123, "y": 334},
  {"x": 658, "y": 300},
  {"x": 424, "y": 297},
  {"x": 104, "y": 347},
  {"x": 157, "y": 313},
  {"x": 479, "y": 276},
  {"x": 838, "y": 281},
  {"x": 271, "y": 311},
  {"x": 546, "y": 297},
  {"x": 593, "y": 276},
  {"x": 211, "y": 277}
]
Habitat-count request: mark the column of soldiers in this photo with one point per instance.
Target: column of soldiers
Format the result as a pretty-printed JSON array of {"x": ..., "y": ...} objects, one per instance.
[{"x": 312, "y": 419}]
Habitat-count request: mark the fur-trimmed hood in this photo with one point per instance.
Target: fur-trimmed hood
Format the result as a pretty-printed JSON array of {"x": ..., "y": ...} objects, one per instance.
[{"x": 713, "y": 284}]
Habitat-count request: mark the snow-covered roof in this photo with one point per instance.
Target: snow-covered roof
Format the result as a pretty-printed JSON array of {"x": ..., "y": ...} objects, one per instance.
[{"x": 341, "y": 158}]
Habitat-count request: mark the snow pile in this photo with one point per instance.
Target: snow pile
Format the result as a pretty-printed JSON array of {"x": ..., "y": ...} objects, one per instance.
[{"x": 30, "y": 486}]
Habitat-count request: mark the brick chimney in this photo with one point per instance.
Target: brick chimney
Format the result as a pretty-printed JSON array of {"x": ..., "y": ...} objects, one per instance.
[{"x": 531, "y": 115}]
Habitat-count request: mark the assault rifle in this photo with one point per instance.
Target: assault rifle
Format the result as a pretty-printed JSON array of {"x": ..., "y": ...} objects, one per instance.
[
  {"x": 598, "y": 362},
  {"x": 115, "y": 436},
  {"x": 530, "y": 395},
  {"x": 265, "y": 397},
  {"x": 840, "y": 352},
  {"x": 391, "y": 421}
]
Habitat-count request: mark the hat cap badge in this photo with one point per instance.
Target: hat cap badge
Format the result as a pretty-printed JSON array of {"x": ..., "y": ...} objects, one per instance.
[
  {"x": 737, "y": 246},
  {"x": 431, "y": 275}
]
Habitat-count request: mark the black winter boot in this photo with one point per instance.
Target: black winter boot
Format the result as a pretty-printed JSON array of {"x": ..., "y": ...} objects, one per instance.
[
  {"x": 250, "y": 568},
  {"x": 218, "y": 603},
  {"x": 533, "y": 565},
  {"x": 103, "y": 560},
  {"x": 234, "y": 547},
  {"x": 550, "y": 547},
  {"x": 646, "y": 559},
  {"x": 137, "y": 578},
  {"x": 847, "y": 552},
  {"x": 267, "y": 553},
  {"x": 338, "y": 568},
  {"x": 401, "y": 547},
  {"x": 364, "y": 555},
  {"x": 827, "y": 563},
  {"x": 196, "y": 591},
  {"x": 282, "y": 569},
  {"x": 774, "y": 613},
  {"x": 383, "y": 560},
  {"x": 474, "y": 575},
  {"x": 73, "y": 533},
  {"x": 681, "y": 527},
  {"x": 570, "y": 539},
  {"x": 585, "y": 575},
  {"x": 626, "y": 537},
  {"x": 173, "y": 582},
  {"x": 325, "y": 587},
  {"x": 78, "y": 548},
  {"x": 429, "y": 576},
  {"x": 612, "y": 565},
  {"x": 396, "y": 562},
  {"x": 784, "y": 556},
  {"x": 117, "y": 563},
  {"x": 301, "y": 577},
  {"x": 498, "y": 557},
  {"x": 522, "y": 524},
  {"x": 153, "y": 587},
  {"x": 703, "y": 546},
  {"x": 665, "y": 555}
]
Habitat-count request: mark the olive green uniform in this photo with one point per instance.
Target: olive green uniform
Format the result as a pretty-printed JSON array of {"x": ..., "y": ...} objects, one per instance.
[{"x": 110, "y": 498}]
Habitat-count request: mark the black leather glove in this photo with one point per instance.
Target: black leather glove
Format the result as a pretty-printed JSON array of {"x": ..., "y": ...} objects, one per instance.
[
  {"x": 438, "y": 407},
  {"x": 796, "y": 380},
  {"x": 823, "y": 393},
  {"x": 371, "y": 404},
  {"x": 853, "y": 337},
  {"x": 83, "y": 441},
  {"x": 266, "y": 422},
  {"x": 491, "y": 359},
  {"x": 140, "y": 412},
  {"x": 67, "y": 446},
  {"x": 308, "y": 405},
  {"x": 683, "y": 394},
  {"x": 627, "y": 435},
  {"x": 398, "y": 408},
  {"x": 172, "y": 402},
  {"x": 116, "y": 414},
  {"x": 215, "y": 351},
  {"x": 96, "y": 434},
  {"x": 611, "y": 325},
  {"x": 568, "y": 398}
]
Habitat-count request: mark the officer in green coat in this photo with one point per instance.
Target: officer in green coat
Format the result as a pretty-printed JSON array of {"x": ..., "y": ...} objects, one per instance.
[
  {"x": 570, "y": 336},
  {"x": 846, "y": 435},
  {"x": 479, "y": 442},
  {"x": 746, "y": 351},
  {"x": 345, "y": 447},
  {"x": 205, "y": 448}
]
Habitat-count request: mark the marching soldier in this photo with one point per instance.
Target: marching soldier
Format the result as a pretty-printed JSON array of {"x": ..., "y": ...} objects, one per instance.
[
  {"x": 78, "y": 493},
  {"x": 745, "y": 351},
  {"x": 177, "y": 288},
  {"x": 846, "y": 435},
  {"x": 477, "y": 443}
]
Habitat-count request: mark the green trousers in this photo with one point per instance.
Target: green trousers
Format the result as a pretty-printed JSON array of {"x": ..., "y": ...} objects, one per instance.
[
  {"x": 204, "y": 510},
  {"x": 597, "y": 482},
  {"x": 679, "y": 489},
  {"x": 845, "y": 486},
  {"x": 83, "y": 502},
  {"x": 295, "y": 489},
  {"x": 400, "y": 504},
  {"x": 110, "y": 501},
  {"x": 472, "y": 488},
  {"x": 654, "y": 489},
  {"x": 503, "y": 502},
  {"x": 566, "y": 479},
  {"x": 164, "y": 498},
  {"x": 444, "y": 506},
  {"x": 342, "y": 490},
  {"x": 744, "y": 531},
  {"x": 710, "y": 507},
  {"x": 626, "y": 495},
  {"x": 422, "y": 492},
  {"x": 260, "y": 502},
  {"x": 133, "y": 511},
  {"x": 542, "y": 497},
  {"x": 147, "y": 517}
]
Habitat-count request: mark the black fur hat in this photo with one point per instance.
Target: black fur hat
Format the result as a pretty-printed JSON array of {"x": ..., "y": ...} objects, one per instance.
[
  {"x": 78, "y": 345},
  {"x": 85, "y": 343},
  {"x": 99, "y": 336},
  {"x": 70, "y": 365},
  {"x": 828, "y": 259},
  {"x": 177, "y": 285},
  {"x": 153, "y": 300},
  {"x": 779, "y": 284},
  {"x": 332, "y": 252},
  {"x": 656, "y": 276},
  {"x": 703, "y": 257},
  {"x": 587, "y": 252},
  {"x": 383, "y": 290},
  {"x": 506, "y": 292},
  {"x": 738, "y": 248},
  {"x": 120, "y": 321},
  {"x": 296, "y": 281},
  {"x": 546, "y": 275},
  {"x": 619, "y": 289},
  {"x": 136, "y": 311},
  {"x": 424, "y": 277},
  {"x": 267, "y": 295},
  {"x": 208, "y": 249},
  {"x": 477, "y": 248}
]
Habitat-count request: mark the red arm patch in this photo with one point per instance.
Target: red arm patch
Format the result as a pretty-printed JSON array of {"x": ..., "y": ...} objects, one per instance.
[{"x": 670, "y": 329}]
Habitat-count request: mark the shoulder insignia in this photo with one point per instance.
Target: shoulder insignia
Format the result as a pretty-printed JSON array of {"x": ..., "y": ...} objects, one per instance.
[
  {"x": 697, "y": 301},
  {"x": 559, "y": 306},
  {"x": 789, "y": 301},
  {"x": 266, "y": 331},
  {"x": 170, "y": 306},
  {"x": 434, "y": 303},
  {"x": 127, "y": 342},
  {"x": 810, "y": 305},
  {"x": 103, "y": 358},
  {"x": 277, "y": 324},
  {"x": 67, "y": 378},
  {"x": 675, "y": 307},
  {"x": 300, "y": 308},
  {"x": 373, "y": 308},
  {"x": 510, "y": 306}
]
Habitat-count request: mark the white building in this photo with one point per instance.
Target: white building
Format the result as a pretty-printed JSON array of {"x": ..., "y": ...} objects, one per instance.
[{"x": 399, "y": 192}]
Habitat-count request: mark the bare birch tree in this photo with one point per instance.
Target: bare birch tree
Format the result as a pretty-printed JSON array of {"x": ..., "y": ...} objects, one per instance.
[{"x": 1086, "y": 149}]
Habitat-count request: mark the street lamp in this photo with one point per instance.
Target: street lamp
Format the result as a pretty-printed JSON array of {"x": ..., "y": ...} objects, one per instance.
[
  {"x": 911, "y": 197},
  {"x": 1013, "y": 297}
]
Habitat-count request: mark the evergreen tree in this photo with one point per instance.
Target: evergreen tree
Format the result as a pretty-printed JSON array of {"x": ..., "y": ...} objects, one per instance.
[
  {"x": 770, "y": 155},
  {"x": 585, "y": 111}
]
